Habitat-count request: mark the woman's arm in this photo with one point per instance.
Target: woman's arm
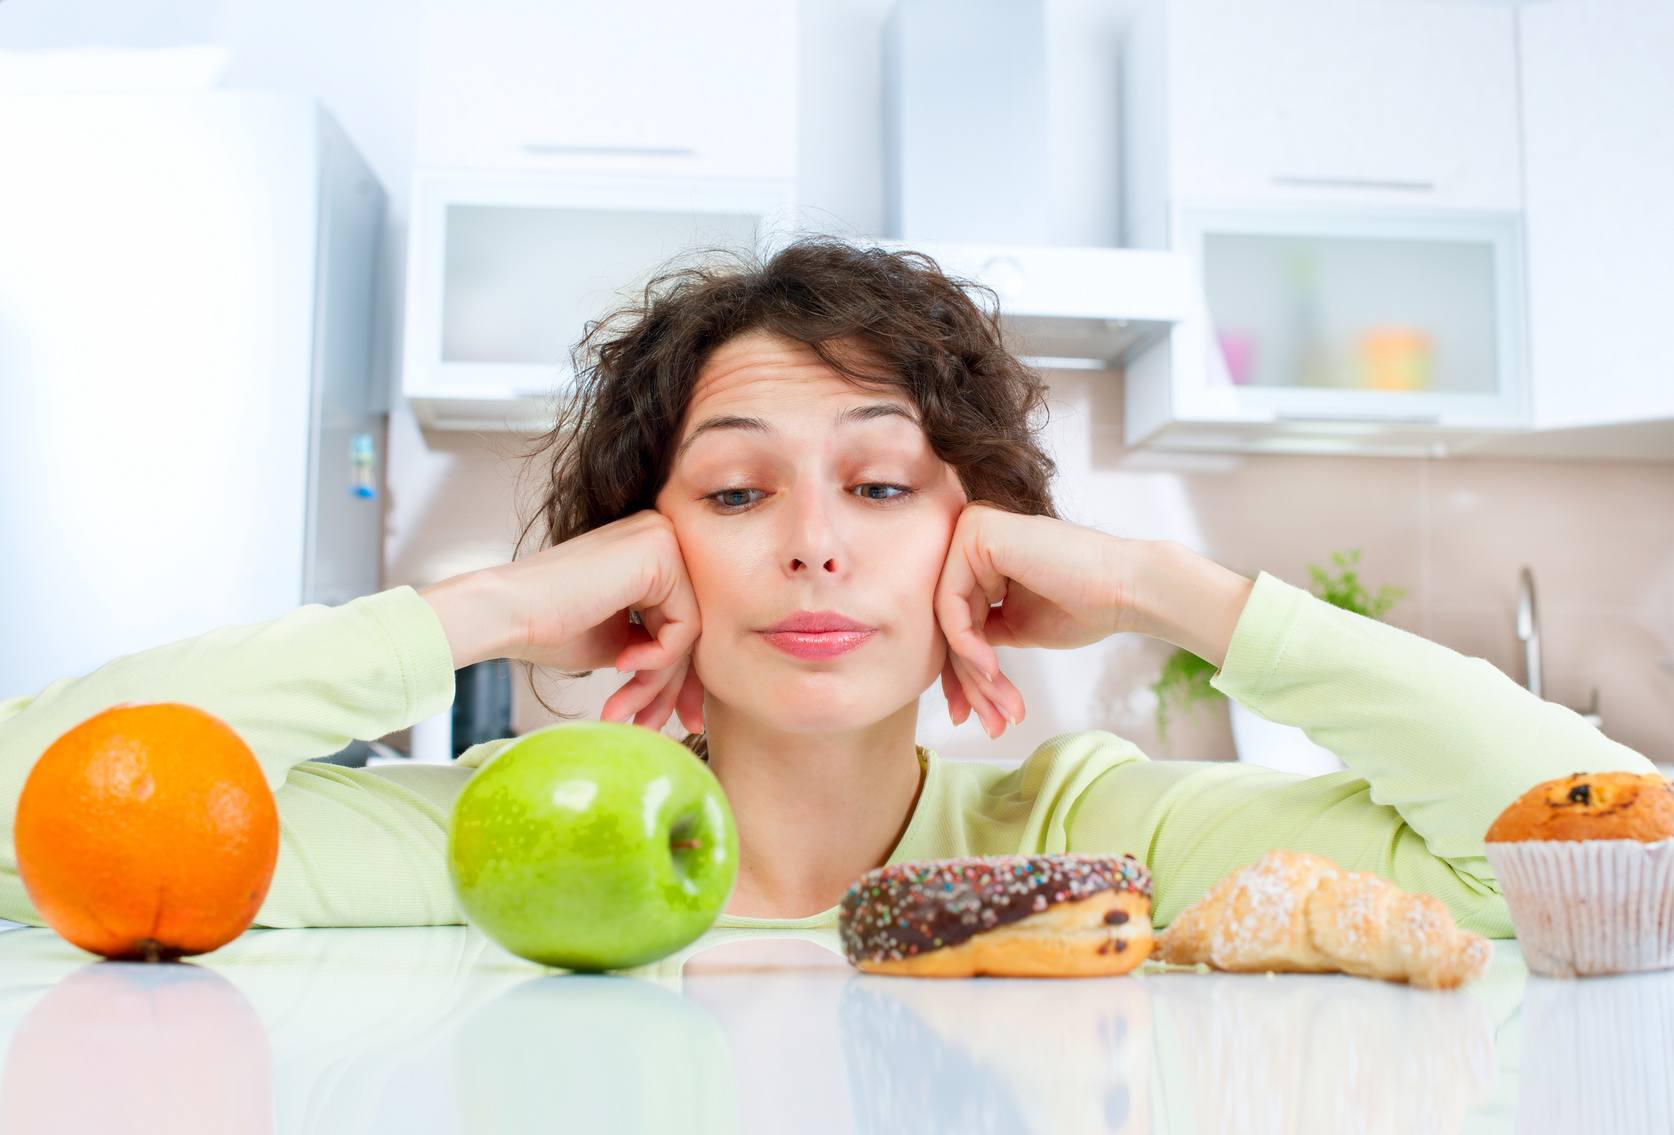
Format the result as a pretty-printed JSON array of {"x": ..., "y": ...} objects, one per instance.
[
  {"x": 299, "y": 686},
  {"x": 1174, "y": 594},
  {"x": 1436, "y": 745},
  {"x": 365, "y": 847}
]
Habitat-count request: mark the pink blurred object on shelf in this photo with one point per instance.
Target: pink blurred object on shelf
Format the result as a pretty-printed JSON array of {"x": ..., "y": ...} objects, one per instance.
[{"x": 1238, "y": 351}]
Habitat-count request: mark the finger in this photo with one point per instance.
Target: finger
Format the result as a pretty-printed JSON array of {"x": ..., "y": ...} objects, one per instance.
[
  {"x": 958, "y": 707},
  {"x": 1001, "y": 694},
  {"x": 996, "y": 687},
  {"x": 672, "y": 619},
  {"x": 658, "y": 652},
  {"x": 962, "y": 601},
  {"x": 634, "y": 636},
  {"x": 629, "y": 697},
  {"x": 979, "y": 626},
  {"x": 992, "y": 721},
  {"x": 690, "y": 702},
  {"x": 656, "y": 712},
  {"x": 996, "y": 631}
]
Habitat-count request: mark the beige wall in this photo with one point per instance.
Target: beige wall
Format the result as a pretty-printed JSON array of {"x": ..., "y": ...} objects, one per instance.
[{"x": 1599, "y": 536}]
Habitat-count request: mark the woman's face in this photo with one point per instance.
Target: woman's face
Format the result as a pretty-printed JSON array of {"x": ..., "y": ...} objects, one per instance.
[{"x": 812, "y": 509}]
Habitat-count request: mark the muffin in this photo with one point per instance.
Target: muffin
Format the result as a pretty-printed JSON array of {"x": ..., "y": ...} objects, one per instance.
[{"x": 1587, "y": 866}]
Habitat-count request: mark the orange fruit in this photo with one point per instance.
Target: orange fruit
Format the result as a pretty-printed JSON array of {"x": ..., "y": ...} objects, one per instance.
[{"x": 147, "y": 831}]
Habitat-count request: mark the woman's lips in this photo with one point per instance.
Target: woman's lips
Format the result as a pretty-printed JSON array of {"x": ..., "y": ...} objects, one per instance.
[{"x": 821, "y": 644}]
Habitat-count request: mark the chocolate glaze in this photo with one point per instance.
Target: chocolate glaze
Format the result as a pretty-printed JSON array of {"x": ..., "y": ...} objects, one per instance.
[{"x": 904, "y": 909}]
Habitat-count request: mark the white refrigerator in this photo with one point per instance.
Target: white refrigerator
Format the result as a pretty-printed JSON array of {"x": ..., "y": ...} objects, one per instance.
[{"x": 188, "y": 433}]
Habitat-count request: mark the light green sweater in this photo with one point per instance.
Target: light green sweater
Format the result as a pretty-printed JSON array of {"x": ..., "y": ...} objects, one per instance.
[{"x": 1436, "y": 745}]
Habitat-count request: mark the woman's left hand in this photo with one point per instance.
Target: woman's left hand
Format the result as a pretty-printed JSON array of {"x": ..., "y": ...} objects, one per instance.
[{"x": 1058, "y": 584}]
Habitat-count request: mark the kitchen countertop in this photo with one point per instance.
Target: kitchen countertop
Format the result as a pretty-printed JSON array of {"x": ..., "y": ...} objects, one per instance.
[{"x": 438, "y": 1029}]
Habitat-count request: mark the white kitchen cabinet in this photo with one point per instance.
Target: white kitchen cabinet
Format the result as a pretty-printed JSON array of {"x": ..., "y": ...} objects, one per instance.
[
  {"x": 1339, "y": 331},
  {"x": 632, "y": 86},
  {"x": 1599, "y": 103},
  {"x": 1344, "y": 178},
  {"x": 1337, "y": 102},
  {"x": 504, "y": 270}
]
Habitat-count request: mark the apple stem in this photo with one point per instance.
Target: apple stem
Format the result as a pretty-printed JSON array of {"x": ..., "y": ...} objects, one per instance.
[{"x": 686, "y": 844}]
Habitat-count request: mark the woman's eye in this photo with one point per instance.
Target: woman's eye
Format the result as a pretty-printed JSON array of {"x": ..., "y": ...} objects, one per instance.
[
  {"x": 729, "y": 493},
  {"x": 723, "y": 499}
]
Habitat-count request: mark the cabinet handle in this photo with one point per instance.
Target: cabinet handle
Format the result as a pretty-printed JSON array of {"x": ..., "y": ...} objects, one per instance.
[
  {"x": 1314, "y": 416},
  {"x": 1356, "y": 183},
  {"x": 566, "y": 149}
]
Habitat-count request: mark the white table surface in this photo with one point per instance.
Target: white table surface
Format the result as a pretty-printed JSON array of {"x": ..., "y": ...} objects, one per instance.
[{"x": 438, "y": 1029}]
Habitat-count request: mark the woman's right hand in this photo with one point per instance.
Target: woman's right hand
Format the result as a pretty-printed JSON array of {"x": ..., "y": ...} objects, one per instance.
[{"x": 567, "y": 607}]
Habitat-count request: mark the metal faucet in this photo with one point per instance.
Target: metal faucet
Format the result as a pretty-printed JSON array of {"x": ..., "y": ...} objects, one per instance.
[{"x": 1528, "y": 631}]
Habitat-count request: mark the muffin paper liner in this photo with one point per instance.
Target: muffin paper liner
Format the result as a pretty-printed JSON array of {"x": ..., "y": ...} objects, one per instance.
[{"x": 1586, "y": 907}]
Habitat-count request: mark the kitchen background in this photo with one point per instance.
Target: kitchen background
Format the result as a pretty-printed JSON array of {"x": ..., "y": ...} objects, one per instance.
[{"x": 1493, "y": 180}]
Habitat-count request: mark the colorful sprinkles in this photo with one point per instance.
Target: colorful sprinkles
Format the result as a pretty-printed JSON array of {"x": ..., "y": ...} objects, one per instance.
[{"x": 903, "y": 909}]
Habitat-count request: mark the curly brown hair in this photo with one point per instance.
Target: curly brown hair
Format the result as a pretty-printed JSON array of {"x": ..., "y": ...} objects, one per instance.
[{"x": 920, "y": 333}]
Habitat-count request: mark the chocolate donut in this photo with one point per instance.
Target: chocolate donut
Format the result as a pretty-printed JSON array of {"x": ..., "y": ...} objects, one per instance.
[{"x": 1007, "y": 915}]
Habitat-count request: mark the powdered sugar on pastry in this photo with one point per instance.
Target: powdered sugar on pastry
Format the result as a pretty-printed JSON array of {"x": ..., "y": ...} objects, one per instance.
[
  {"x": 1264, "y": 922},
  {"x": 1296, "y": 912}
]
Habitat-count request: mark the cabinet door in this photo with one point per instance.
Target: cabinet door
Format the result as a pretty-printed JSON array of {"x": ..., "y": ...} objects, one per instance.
[
  {"x": 628, "y": 86},
  {"x": 504, "y": 271},
  {"x": 1315, "y": 318},
  {"x": 1355, "y": 100},
  {"x": 1599, "y": 99}
]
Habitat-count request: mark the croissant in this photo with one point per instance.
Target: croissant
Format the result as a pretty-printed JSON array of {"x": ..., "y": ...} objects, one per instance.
[{"x": 1291, "y": 911}]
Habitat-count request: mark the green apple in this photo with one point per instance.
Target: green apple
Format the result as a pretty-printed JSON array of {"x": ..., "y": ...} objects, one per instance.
[{"x": 593, "y": 845}]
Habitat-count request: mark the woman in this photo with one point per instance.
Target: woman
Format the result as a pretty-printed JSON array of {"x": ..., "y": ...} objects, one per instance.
[{"x": 705, "y": 479}]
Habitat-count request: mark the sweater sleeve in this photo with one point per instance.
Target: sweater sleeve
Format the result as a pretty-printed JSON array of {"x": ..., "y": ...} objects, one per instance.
[
  {"x": 1436, "y": 745},
  {"x": 356, "y": 847}
]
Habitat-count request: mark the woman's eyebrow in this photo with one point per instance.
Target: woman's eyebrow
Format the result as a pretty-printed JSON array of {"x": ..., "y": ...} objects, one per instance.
[{"x": 868, "y": 412}]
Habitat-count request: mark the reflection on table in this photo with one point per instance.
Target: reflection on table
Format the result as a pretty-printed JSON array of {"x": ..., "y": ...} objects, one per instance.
[{"x": 438, "y": 1029}]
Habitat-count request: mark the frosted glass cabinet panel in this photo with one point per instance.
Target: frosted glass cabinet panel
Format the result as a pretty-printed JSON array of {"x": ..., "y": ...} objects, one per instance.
[
  {"x": 505, "y": 269},
  {"x": 519, "y": 284},
  {"x": 1353, "y": 313},
  {"x": 1354, "y": 316}
]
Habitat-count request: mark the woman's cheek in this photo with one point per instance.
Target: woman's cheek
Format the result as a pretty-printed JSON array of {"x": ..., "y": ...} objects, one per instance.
[{"x": 703, "y": 662}]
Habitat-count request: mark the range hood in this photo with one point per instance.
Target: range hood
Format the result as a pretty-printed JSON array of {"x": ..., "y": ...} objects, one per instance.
[
  {"x": 1002, "y": 162},
  {"x": 1068, "y": 306}
]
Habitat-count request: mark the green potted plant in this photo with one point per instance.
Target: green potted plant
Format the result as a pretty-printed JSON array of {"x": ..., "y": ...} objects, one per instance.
[{"x": 1183, "y": 683}]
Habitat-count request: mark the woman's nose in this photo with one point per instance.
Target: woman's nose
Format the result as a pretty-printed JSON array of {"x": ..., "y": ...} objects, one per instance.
[{"x": 812, "y": 541}]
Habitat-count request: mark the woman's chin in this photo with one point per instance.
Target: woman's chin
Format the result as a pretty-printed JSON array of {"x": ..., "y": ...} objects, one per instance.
[{"x": 807, "y": 708}]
